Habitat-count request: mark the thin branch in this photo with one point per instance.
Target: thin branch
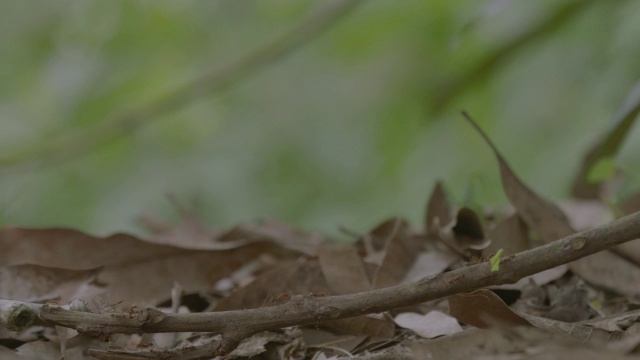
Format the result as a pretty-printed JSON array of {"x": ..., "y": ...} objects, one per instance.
[
  {"x": 447, "y": 90},
  {"x": 300, "y": 310},
  {"x": 83, "y": 142}
]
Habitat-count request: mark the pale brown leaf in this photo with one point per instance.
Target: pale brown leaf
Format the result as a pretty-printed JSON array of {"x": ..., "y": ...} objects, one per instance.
[
  {"x": 400, "y": 251},
  {"x": 32, "y": 283},
  {"x": 438, "y": 212},
  {"x": 343, "y": 269},
  {"x": 482, "y": 308}
]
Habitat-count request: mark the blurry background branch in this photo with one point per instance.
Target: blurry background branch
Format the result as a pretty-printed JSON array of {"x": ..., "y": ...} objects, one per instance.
[
  {"x": 449, "y": 88},
  {"x": 71, "y": 144}
]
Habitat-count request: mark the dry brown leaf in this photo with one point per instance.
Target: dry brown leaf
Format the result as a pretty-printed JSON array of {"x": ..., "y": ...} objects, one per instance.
[
  {"x": 32, "y": 283},
  {"x": 586, "y": 214},
  {"x": 539, "y": 214},
  {"x": 541, "y": 278},
  {"x": 584, "y": 334},
  {"x": 610, "y": 271},
  {"x": 519, "y": 343},
  {"x": 482, "y": 308},
  {"x": 510, "y": 234},
  {"x": 133, "y": 271},
  {"x": 631, "y": 204},
  {"x": 256, "y": 345},
  {"x": 616, "y": 322},
  {"x": 8, "y": 354},
  {"x": 631, "y": 249},
  {"x": 550, "y": 223},
  {"x": 316, "y": 338},
  {"x": 73, "y": 250},
  {"x": 277, "y": 285},
  {"x": 343, "y": 269},
  {"x": 568, "y": 302},
  {"x": 292, "y": 278},
  {"x": 191, "y": 233},
  {"x": 276, "y": 232},
  {"x": 378, "y": 327},
  {"x": 41, "y": 350},
  {"x": 196, "y": 271},
  {"x": 468, "y": 230},
  {"x": 438, "y": 212},
  {"x": 478, "y": 343},
  {"x": 430, "y": 263},
  {"x": 400, "y": 251},
  {"x": 466, "y": 235}
]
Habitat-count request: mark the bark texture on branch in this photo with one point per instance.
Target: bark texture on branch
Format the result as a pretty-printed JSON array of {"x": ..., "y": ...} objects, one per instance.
[{"x": 300, "y": 310}]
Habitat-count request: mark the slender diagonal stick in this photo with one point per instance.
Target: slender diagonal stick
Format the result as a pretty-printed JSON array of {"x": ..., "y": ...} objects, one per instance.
[{"x": 237, "y": 324}]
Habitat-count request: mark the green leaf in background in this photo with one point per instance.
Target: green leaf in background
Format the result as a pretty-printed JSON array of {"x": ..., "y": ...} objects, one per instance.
[{"x": 602, "y": 170}]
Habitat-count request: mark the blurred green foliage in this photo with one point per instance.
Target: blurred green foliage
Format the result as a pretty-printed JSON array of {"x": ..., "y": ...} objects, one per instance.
[{"x": 354, "y": 126}]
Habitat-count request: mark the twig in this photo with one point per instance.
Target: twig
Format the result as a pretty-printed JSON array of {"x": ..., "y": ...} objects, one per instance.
[
  {"x": 448, "y": 89},
  {"x": 69, "y": 146},
  {"x": 235, "y": 325}
]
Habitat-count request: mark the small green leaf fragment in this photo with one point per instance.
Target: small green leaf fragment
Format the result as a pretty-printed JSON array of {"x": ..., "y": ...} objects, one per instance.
[
  {"x": 604, "y": 169},
  {"x": 495, "y": 261}
]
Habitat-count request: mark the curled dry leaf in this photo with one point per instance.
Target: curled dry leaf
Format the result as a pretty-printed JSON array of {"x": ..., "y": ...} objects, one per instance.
[
  {"x": 468, "y": 230},
  {"x": 464, "y": 235},
  {"x": 509, "y": 233}
]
